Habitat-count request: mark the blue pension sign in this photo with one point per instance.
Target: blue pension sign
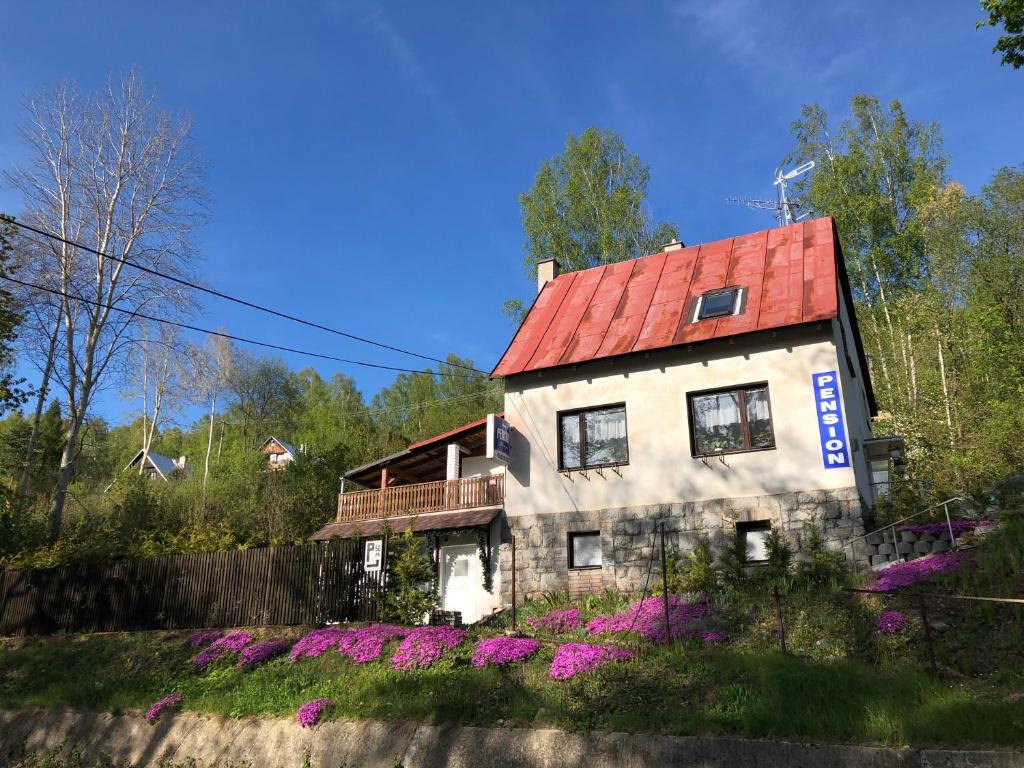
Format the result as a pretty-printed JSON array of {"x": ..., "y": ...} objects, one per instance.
[
  {"x": 498, "y": 439},
  {"x": 835, "y": 450}
]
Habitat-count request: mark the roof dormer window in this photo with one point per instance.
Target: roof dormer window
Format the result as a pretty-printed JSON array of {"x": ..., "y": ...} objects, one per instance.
[{"x": 718, "y": 303}]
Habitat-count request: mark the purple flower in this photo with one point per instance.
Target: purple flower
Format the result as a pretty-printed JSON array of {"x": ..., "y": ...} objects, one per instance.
[
  {"x": 713, "y": 637},
  {"x": 563, "y": 620},
  {"x": 365, "y": 644},
  {"x": 314, "y": 643},
  {"x": 502, "y": 650},
  {"x": 647, "y": 618},
  {"x": 159, "y": 706},
  {"x": 573, "y": 658},
  {"x": 204, "y": 637},
  {"x": 891, "y": 622},
  {"x": 904, "y": 574},
  {"x": 218, "y": 649},
  {"x": 259, "y": 652},
  {"x": 309, "y": 713},
  {"x": 425, "y": 645}
]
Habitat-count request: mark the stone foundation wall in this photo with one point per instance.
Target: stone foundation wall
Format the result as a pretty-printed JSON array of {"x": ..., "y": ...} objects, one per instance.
[{"x": 629, "y": 536}]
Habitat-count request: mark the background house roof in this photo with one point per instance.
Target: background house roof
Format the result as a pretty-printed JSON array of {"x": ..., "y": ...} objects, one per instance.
[
  {"x": 788, "y": 275},
  {"x": 287, "y": 446},
  {"x": 162, "y": 464}
]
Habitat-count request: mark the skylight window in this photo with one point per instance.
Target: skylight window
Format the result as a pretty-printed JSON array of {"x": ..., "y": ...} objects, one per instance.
[{"x": 718, "y": 303}]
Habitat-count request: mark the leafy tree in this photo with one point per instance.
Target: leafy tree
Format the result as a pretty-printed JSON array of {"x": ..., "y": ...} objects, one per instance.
[
  {"x": 586, "y": 208},
  {"x": 410, "y": 595},
  {"x": 12, "y": 395},
  {"x": 1009, "y": 13}
]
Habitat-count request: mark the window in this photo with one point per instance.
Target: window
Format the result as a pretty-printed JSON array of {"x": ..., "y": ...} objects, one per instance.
[
  {"x": 731, "y": 420},
  {"x": 718, "y": 303},
  {"x": 592, "y": 438},
  {"x": 753, "y": 535},
  {"x": 585, "y": 550}
]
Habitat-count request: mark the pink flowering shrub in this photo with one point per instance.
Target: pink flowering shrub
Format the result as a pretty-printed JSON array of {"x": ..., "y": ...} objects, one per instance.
[
  {"x": 204, "y": 637},
  {"x": 923, "y": 568},
  {"x": 573, "y": 658},
  {"x": 564, "y": 620},
  {"x": 425, "y": 645},
  {"x": 891, "y": 623},
  {"x": 160, "y": 705},
  {"x": 309, "y": 713},
  {"x": 262, "y": 651},
  {"x": 366, "y": 643},
  {"x": 647, "y": 618},
  {"x": 313, "y": 644},
  {"x": 498, "y": 651},
  {"x": 713, "y": 637},
  {"x": 218, "y": 649}
]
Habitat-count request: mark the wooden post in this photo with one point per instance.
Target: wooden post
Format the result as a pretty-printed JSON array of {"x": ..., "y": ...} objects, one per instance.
[
  {"x": 779, "y": 624},
  {"x": 929, "y": 645},
  {"x": 513, "y": 583},
  {"x": 664, "y": 584}
]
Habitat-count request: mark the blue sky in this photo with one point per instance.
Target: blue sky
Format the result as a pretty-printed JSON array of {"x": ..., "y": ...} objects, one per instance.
[{"x": 365, "y": 157}]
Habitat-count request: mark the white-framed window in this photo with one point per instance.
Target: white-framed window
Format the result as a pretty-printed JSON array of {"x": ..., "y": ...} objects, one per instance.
[{"x": 718, "y": 303}]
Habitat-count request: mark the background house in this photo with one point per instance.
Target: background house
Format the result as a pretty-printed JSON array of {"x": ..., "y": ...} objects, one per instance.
[
  {"x": 278, "y": 453},
  {"x": 159, "y": 467}
]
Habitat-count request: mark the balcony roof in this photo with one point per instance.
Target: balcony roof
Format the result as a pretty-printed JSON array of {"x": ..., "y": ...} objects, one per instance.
[
  {"x": 436, "y": 521},
  {"x": 424, "y": 460}
]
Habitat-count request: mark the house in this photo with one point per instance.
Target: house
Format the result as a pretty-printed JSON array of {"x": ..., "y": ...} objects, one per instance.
[
  {"x": 448, "y": 488},
  {"x": 278, "y": 453},
  {"x": 157, "y": 466},
  {"x": 719, "y": 389}
]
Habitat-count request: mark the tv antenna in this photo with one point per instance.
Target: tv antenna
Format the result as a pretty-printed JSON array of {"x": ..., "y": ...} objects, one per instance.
[{"x": 786, "y": 211}]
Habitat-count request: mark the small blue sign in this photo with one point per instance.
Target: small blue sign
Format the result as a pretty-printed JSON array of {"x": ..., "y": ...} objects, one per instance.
[{"x": 835, "y": 451}]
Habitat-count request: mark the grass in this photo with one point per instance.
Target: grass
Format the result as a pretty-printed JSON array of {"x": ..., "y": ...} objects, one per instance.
[
  {"x": 685, "y": 689},
  {"x": 841, "y": 681}
]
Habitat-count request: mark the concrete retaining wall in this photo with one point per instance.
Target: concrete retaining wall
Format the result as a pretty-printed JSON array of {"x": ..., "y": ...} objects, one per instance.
[
  {"x": 879, "y": 547},
  {"x": 271, "y": 743}
]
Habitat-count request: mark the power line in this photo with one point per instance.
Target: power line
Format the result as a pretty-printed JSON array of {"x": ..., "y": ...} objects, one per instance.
[
  {"x": 242, "y": 339},
  {"x": 236, "y": 300}
]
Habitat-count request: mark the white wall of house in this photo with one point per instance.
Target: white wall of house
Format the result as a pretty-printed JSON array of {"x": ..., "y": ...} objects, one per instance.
[
  {"x": 478, "y": 466},
  {"x": 474, "y": 603},
  {"x": 654, "y": 388}
]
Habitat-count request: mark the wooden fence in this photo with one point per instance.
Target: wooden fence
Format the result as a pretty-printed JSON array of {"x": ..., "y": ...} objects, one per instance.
[{"x": 306, "y": 584}]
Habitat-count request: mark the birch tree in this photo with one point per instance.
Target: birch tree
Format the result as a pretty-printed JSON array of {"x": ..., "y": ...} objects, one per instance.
[
  {"x": 158, "y": 367},
  {"x": 113, "y": 172},
  {"x": 211, "y": 368}
]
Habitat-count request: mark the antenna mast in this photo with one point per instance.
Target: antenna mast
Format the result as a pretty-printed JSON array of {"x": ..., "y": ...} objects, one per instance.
[{"x": 786, "y": 211}]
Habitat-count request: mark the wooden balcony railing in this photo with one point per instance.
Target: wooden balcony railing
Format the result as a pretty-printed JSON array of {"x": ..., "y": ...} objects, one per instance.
[{"x": 439, "y": 496}]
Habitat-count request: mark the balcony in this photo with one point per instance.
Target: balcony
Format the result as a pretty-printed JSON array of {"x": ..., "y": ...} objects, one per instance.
[{"x": 420, "y": 498}]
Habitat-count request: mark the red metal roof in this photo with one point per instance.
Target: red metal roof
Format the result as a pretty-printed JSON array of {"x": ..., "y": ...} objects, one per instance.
[
  {"x": 788, "y": 275},
  {"x": 452, "y": 432}
]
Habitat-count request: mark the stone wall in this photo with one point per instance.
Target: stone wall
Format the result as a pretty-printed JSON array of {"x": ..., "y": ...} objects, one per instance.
[
  {"x": 629, "y": 535},
  {"x": 884, "y": 546}
]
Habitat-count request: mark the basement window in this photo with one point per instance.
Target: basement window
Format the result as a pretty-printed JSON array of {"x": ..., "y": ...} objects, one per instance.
[
  {"x": 754, "y": 536},
  {"x": 718, "y": 303},
  {"x": 585, "y": 550}
]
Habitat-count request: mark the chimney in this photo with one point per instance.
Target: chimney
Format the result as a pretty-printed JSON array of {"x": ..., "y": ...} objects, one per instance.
[
  {"x": 673, "y": 245},
  {"x": 454, "y": 463},
  {"x": 547, "y": 271}
]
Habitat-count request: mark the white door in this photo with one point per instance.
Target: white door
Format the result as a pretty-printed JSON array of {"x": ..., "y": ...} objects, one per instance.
[{"x": 461, "y": 580}]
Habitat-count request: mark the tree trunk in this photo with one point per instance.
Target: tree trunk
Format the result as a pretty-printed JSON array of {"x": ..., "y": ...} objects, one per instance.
[
  {"x": 209, "y": 441},
  {"x": 945, "y": 388},
  {"x": 44, "y": 386},
  {"x": 67, "y": 471}
]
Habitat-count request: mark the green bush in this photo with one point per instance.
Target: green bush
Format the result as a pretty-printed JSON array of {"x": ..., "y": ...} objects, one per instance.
[
  {"x": 820, "y": 567},
  {"x": 410, "y": 595}
]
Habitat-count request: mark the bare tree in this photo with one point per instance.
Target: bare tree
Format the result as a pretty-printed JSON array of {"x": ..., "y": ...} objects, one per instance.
[
  {"x": 113, "y": 172},
  {"x": 158, "y": 366},
  {"x": 210, "y": 369}
]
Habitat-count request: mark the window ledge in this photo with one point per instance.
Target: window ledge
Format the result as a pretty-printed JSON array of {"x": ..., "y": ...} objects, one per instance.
[
  {"x": 715, "y": 454},
  {"x": 586, "y": 567}
]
